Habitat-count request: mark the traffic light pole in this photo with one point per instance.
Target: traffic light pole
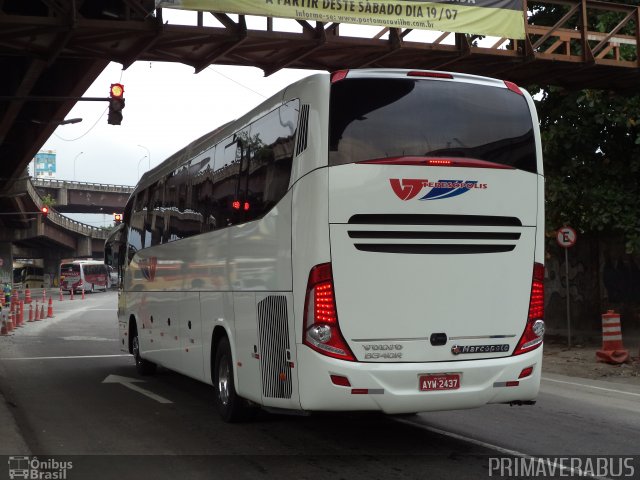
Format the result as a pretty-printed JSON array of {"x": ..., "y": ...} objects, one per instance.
[{"x": 54, "y": 99}]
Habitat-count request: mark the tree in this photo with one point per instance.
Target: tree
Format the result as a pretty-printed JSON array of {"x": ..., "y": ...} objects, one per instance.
[
  {"x": 48, "y": 200},
  {"x": 591, "y": 146}
]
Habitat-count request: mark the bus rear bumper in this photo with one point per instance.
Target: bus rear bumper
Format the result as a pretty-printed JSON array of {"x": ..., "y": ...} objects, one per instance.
[{"x": 394, "y": 387}]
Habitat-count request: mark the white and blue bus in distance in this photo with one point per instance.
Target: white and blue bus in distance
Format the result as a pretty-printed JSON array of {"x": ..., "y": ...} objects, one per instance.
[{"x": 366, "y": 240}]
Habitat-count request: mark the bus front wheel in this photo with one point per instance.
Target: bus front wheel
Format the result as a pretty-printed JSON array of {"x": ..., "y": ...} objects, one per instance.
[{"x": 231, "y": 407}]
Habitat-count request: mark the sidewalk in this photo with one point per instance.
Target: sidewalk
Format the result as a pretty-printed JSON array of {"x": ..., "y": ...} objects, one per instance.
[
  {"x": 11, "y": 440},
  {"x": 580, "y": 362}
]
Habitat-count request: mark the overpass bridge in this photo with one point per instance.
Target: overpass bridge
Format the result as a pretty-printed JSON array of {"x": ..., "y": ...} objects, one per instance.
[
  {"x": 84, "y": 197},
  {"x": 27, "y": 233}
]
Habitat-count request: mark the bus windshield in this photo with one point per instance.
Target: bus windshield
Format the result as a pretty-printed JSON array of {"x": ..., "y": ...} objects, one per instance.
[{"x": 377, "y": 118}]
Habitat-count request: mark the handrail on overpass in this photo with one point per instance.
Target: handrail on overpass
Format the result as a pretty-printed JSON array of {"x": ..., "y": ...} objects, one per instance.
[
  {"x": 69, "y": 184},
  {"x": 575, "y": 36},
  {"x": 573, "y": 48}
]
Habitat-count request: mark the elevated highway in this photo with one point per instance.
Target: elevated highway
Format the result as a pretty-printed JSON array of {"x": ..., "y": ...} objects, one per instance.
[
  {"x": 27, "y": 233},
  {"x": 84, "y": 197}
]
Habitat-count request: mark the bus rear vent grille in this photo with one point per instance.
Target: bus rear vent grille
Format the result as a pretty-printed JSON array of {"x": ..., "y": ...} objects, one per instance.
[
  {"x": 273, "y": 329},
  {"x": 468, "y": 241},
  {"x": 303, "y": 129}
]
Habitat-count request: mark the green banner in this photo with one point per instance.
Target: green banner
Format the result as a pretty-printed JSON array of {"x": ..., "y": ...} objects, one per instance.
[{"x": 498, "y": 18}]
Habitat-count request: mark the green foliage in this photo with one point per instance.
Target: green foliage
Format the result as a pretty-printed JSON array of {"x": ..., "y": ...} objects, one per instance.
[
  {"x": 48, "y": 201},
  {"x": 591, "y": 145}
]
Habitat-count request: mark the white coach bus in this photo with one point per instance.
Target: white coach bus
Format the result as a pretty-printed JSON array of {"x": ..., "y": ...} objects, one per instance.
[{"x": 366, "y": 240}]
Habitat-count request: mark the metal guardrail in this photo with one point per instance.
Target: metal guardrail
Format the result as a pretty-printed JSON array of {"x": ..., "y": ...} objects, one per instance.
[
  {"x": 72, "y": 184},
  {"x": 66, "y": 222}
]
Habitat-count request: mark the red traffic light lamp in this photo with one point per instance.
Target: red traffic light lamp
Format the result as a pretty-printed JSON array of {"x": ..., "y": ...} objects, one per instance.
[
  {"x": 45, "y": 211},
  {"x": 117, "y": 218},
  {"x": 116, "y": 103}
]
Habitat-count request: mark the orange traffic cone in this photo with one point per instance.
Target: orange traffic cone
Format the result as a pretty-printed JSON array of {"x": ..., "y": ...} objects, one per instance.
[
  {"x": 21, "y": 313},
  {"x": 612, "y": 349},
  {"x": 37, "y": 313},
  {"x": 61, "y": 294},
  {"x": 42, "y": 317},
  {"x": 10, "y": 323},
  {"x": 31, "y": 313},
  {"x": 50, "y": 309},
  {"x": 27, "y": 296}
]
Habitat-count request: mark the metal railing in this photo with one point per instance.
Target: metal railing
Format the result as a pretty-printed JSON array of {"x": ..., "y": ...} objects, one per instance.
[{"x": 72, "y": 184}]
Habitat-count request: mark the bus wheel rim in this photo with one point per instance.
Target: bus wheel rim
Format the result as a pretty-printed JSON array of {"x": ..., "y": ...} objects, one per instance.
[
  {"x": 136, "y": 348},
  {"x": 223, "y": 381}
]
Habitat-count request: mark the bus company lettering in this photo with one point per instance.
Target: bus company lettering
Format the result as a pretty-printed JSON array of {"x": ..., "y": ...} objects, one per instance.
[
  {"x": 458, "y": 349},
  {"x": 408, "y": 188}
]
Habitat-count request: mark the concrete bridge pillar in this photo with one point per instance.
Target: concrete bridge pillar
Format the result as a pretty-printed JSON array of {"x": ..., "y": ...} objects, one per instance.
[
  {"x": 52, "y": 271},
  {"x": 6, "y": 262},
  {"x": 83, "y": 248},
  {"x": 62, "y": 196}
]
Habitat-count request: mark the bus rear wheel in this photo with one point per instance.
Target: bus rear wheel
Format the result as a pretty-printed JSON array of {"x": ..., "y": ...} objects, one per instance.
[
  {"x": 231, "y": 407},
  {"x": 143, "y": 366}
]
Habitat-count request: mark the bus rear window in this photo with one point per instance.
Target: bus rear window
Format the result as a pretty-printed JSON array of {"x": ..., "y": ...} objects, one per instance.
[
  {"x": 386, "y": 118},
  {"x": 69, "y": 268}
]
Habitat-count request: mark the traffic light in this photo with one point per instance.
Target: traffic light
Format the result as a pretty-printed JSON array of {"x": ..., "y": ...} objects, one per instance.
[
  {"x": 116, "y": 103},
  {"x": 45, "y": 211},
  {"x": 117, "y": 218}
]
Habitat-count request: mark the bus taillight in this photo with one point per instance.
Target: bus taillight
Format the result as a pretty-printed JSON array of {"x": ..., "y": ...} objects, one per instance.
[
  {"x": 321, "y": 329},
  {"x": 513, "y": 87},
  {"x": 419, "y": 73},
  {"x": 339, "y": 75},
  {"x": 534, "y": 330}
]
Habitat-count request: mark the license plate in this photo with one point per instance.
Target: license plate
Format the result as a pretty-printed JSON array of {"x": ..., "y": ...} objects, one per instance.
[{"x": 439, "y": 382}]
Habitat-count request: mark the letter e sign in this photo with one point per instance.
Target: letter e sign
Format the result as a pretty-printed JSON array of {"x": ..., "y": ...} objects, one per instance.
[{"x": 566, "y": 237}]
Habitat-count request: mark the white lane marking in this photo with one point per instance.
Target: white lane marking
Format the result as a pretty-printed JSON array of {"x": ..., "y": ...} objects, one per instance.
[
  {"x": 67, "y": 357},
  {"x": 502, "y": 450},
  {"x": 93, "y": 339},
  {"x": 590, "y": 386},
  {"x": 129, "y": 383}
]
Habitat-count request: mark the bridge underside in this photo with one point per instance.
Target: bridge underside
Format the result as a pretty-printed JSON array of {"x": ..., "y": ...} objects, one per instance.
[{"x": 52, "y": 50}]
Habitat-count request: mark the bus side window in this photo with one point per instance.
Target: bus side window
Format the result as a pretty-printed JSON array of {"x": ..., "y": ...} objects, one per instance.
[
  {"x": 272, "y": 138},
  {"x": 226, "y": 182}
]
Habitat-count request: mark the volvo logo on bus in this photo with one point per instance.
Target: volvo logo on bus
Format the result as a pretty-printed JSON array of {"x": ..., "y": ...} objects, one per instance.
[
  {"x": 408, "y": 188},
  {"x": 382, "y": 351}
]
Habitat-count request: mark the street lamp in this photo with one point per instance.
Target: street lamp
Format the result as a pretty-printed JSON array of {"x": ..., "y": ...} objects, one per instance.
[
  {"x": 139, "y": 166},
  {"x": 74, "y": 165},
  {"x": 148, "y": 154}
]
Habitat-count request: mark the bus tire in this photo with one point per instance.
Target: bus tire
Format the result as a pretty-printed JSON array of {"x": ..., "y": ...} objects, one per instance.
[
  {"x": 143, "y": 366},
  {"x": 231, "y": 407}
]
